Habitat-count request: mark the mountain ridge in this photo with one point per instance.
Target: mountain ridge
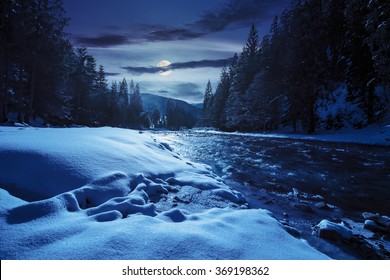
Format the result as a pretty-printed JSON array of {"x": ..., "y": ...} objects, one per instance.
[{"x": 152, "y": 101}]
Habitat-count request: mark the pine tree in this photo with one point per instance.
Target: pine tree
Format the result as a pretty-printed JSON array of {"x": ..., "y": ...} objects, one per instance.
[
  {"x": 248, "y": 63},
  {"x": 123, "y": 93},
  {"x": 101, "y": 81},
  {"x": 99, "y": 99},
  {"x": 207, "y": 118},
  {"x": 33, "y": 48},
  {"x": 156, "y": 117},
  {"x": 307, "y": 56},
  {"x": 208, "y": 96},
  {"x": 131, "y": 89},
  {"x": 113, "y": 105},
  {"x": 360, "y": 72},
  {"x": 378, "y": 28},
  {"x": 237, "y": 114},
  {"x": 172, "y": 116},
  {"x": 136, "y": 107},
  {"x": 220, "y": 97},
  {"x": 82, "y": 86}
]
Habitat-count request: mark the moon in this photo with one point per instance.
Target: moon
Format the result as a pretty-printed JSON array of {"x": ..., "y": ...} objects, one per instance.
[{"x": 165, "y": 68}]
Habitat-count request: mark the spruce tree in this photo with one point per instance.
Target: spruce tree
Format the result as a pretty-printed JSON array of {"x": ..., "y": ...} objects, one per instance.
[
  {"x": 113, "y": 113},
  {"x": 99, "y": 99},
  {"x": 360, "y": 72},
  {"x": 378, "y": 28},
  {"x": 123, "y": 93},
  {"x": 220, "y": 97},
  {"x": 136, "y": 108},
  {"x": 207, "y": 118},
  {"x": 237, "y": 115},
  {"x": 248, "y": 63}
]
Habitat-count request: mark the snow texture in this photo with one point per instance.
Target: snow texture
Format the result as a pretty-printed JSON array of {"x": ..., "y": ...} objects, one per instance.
[{"x": 82, "y": 193}]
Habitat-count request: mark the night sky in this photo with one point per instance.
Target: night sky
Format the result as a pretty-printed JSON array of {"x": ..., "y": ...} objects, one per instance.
[{"x": 129, "y": 38}]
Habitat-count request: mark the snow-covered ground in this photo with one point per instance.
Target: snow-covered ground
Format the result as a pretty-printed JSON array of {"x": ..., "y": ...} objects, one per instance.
[
  {"x": 105, "y": 193},
  {"x": 371, "y": 135}
]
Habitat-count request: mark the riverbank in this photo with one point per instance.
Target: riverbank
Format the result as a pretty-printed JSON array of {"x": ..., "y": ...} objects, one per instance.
[
  {"x": 371, "y": 135},
  {"x": 302, "y": 182}
]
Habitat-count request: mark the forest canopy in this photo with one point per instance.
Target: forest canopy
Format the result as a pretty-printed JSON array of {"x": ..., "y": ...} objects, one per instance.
[{"x": 323, "y": 65}]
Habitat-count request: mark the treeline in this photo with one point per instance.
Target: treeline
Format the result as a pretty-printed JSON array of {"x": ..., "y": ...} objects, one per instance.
[
  {"x": 43, "y": 75},
  {"x": 36, "y": 60},
  {"x": 319, "y": 53}
]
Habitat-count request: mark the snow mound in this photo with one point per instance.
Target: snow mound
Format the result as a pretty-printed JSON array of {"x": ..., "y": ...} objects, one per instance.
[{"x": 109, "y": 193}]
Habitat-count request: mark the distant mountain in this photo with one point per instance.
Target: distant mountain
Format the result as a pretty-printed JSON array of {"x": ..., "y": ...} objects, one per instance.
[
  {"x": 151, "y": 102},
  {"x": 198, "y": 105}
]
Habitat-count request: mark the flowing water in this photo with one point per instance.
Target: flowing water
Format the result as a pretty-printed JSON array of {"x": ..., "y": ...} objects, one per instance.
[{"x": 303, "y": 181}]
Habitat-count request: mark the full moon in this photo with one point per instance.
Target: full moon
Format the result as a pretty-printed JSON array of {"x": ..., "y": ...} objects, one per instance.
[{"x": 164, "y": 67}]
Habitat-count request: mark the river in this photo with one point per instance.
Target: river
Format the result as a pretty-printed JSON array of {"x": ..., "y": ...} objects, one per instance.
[{"x": 300, "y": 181}]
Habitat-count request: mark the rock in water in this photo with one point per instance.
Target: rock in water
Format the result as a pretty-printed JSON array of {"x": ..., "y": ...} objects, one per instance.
[
  {"x": 333, "y": 231},
  {"x": 376, "y": 222}
]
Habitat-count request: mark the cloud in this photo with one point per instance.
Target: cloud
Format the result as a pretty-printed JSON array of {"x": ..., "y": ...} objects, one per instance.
[
  {"x": 233, "y": 13},
  {"x": 105, "y": 40},
  {"x": 187, "y": 91},
  {"x": 140, "y": 34},
  {"x": 239, "y": 12},
  {"x": 141, "y": 70},
  {"x": 111, "y": 74},
  {"x": 180, "y": 65},
  {"x": 202, "y": 63},
  {"x": 172, "y": 34}
]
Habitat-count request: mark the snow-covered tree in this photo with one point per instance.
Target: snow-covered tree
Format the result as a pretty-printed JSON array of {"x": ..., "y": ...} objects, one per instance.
[
  {"x": 135, "y": 108},
  {"x": 207, "y": 118},
  {"x": 220, "y": 97},
  {"x": 123, "y": 93}
]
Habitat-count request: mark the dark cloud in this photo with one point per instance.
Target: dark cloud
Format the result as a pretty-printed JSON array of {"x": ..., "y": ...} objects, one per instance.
[
  {"x": 179, "y": 65},
  {"x": 172, "y": 34},
  {"x": 141, "y": 70},
  {"x": 141, "y": 33},
  {"x": 105, "y": 40},
  {"x": 233, "y": 13},
  {"x": 111, "y": 74},
  {"x": 201, "y": 64},
  {"x": 239, "y": 12},
  {"x": 236, "y": 13}
]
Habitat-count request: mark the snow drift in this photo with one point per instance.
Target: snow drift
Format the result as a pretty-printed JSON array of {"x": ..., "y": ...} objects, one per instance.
[{"x": 107, "y": 193}]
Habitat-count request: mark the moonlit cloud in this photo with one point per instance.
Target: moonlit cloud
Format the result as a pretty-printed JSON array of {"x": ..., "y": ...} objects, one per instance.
[
  {"x": 129, "y": 38},
  {"x": 180, "y": 65}
]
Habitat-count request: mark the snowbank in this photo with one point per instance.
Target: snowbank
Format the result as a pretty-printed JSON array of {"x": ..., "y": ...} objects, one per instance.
[{"x": 109, "y": 193}]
